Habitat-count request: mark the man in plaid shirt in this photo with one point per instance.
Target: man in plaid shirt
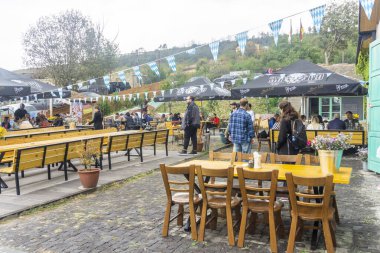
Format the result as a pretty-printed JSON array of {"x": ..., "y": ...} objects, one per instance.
[{"x": 241, "y": 128}]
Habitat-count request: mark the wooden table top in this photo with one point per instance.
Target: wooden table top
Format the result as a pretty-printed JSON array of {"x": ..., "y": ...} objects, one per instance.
[
  {"x": 341, "y": 177},
  {"x": 42, "y": 132},
  {"x": 6, "y": 148}
]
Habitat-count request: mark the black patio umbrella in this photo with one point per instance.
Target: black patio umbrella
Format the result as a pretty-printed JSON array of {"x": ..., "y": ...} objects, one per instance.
[
  {"x": 14, "y": 85},
  {"x": 201, "y": 92},
  {"x": 302, "y": 78}
]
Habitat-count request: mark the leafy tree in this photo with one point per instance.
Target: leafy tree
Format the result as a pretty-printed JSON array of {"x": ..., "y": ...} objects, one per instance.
[
  {"x": 68, "y": 47},
  {"x": 338, "y": 28}
]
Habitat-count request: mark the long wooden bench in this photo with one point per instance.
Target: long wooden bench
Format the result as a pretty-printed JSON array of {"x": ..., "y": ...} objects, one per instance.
[
  {"x": 39, "y": 156},
  {"x": 358, "y": 136}
]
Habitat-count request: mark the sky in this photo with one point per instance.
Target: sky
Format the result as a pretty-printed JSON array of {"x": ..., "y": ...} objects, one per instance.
[{"x": 150, "y": 23}]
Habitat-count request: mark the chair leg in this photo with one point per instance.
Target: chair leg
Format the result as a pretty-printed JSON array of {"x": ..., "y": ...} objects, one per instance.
[
  {"x": 193, "y": 222},
  {"x": 17, "y": 184},
  {"x": 49, "y": 173},
  {"x": 272, "y": 232},
  {"x": 252, "y": 223},
  {"x": 335, "y": 206},
  {"x": 214, "y": 216},
  {"x": 280, "y": 225},
  {"x": 332, "y": 233},
  {"x": 327, "y": 235},
  {"x": 165, "y": 228},
  {"x": 292, "y": 235},
  {"x": 202, "y": 226},
  {"x": 243, "y": 224},
  {"x": 230, "y": 228},
  {"x": 109, "y": 161},
  {"x": 180, "y": 215}
]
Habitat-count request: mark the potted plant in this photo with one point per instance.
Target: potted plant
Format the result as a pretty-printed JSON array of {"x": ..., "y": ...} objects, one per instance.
[
  {"x": 88, "y": 155},
  {"x": 363, "y": 155},
  {"x": 330, "y": 150}
]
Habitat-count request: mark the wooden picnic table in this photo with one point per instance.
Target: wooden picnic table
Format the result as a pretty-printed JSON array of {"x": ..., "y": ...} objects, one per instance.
[
  {"x": 341, "y": 177},
  {"x": 7, "y": 148}
]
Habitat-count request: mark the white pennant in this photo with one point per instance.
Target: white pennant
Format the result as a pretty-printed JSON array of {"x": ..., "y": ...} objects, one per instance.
[
  {"x": 233, "y": 82},
  {"x": 130, "y": 97},
  {"x": 109, "y": 98},
  {"x": 85, "y": 99},
  {"x": 124, "y": 97},
  {"x": 171, "y": 91},
  {"x": 154, "y": 93},
  {"x": 162, "y": 93},
  {"x": 138, "y": 95},
  {"x": 211, "y": 86},
  {"x": 222, "y": 85},
  {"x": 97, "y": 99},
  {"x": 90, "y": 100},
  {"x": 104, "y": 98},
  {"x": 245, "y": 80},
  {"x": 146, "y": 95}
]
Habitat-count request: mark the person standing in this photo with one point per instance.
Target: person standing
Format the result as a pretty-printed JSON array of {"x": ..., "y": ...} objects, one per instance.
[
  {"x": 288, "y": 115},
  {"x": 350, "y": 121},
  {"x": 240, "y": 128},
  {"x": 190, "y": 124},
  {"x": 129, "y": 122},
  {"x": 97, "y": 120},
  {"x": 20, "y": 112},
  {"x": 251, "y": 112},
  {"x": 136, "y": 121}
]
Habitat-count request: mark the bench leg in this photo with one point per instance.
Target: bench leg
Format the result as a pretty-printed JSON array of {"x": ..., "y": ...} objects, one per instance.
[
  {"x": 22, "y": 174},
  {"x": 154, "y": 148},
  {"x": 109, "y": 161},
  {"x": 101, "y": 161},
  {"x": 129, "y": 155},
  {"x": 166, "y": 148},
  {"x": 141, "y": 154},
  {"x": 17, "y": 184},
  {"x": 65, "y": 169},
  {"x": 49, "y": 173}
]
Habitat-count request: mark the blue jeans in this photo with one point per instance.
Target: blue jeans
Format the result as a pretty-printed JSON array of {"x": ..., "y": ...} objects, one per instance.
[{"x": 244, "y": 147}]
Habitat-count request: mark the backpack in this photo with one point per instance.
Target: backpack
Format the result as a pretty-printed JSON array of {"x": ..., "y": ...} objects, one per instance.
[{"x": 298, "y": 138}]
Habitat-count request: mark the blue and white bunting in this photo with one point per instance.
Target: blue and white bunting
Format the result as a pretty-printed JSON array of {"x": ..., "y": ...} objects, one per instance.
[
  {"x": 52, "y": 94},
  {"x": 35, "y": 96},
  {"x": 191, "y": 51},
  {"x": 124, "y": 97},
  {"x": 130, "y": 96},
  {"x": 154, "y": 93},
  {"x": 171, "y": 62},
  {"x": 367, "y": 6},
  {"x": 121, "y": 75},
  {"x": 137, "y": 72},
  {"x": 107, "y": 80},
  {"x": 69, "y": 87},
  {"x": 245, "y": 80},
  {"x": 317, "y": 15},
  {"x": 241, "y": 39},
  {"x": 214, "y": 47},
  {"x": 154, "y": 68},
  {"x": 80, "y": 85},
  {"x": 60, "y": 92},
  {"x": 276, "y": 27},
  {"x": 137, "y": 95},
  {"x": 146, "y": 95}
]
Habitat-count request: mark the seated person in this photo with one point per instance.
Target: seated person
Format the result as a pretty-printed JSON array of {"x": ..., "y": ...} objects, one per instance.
[
  {"x": 58, "y": 121},
  {"x": 336, "y": 123},
  {"x": 6, "y": 123},
  {"x": 215, "y": 121},
  {"x": 303, "y": 118},
  {"x": 273, "y": 120},
  {"x": 314, "y": 125},
  {"x": 25, "y": 124},
  {"x": 350, "y": 121}
]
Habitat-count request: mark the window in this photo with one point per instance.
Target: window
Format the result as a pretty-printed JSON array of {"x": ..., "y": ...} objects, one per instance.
[{"x": 328, "y": 106}]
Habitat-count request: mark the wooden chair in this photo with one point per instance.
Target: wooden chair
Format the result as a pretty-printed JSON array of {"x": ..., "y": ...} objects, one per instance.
[
  {"x": 243, "y": 156},
  {"x": 217, "y": 196},
  {"x": 314, "y": 160},
  {"x": 320, "y": 210},
  {"x": 261, "y": 140},
  {"x": 276, "y": 158},
  {"x": 184, "y": 196},
  {"x": 220, "y": 156},
  {"x": 265, "y": 203}
]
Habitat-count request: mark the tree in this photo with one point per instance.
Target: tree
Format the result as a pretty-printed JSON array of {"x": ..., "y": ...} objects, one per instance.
[
  {"x": 339, "y": 27},
  {"x": 68, "y": 47}
]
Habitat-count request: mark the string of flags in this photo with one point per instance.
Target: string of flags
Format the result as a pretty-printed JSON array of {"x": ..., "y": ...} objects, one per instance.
[
  {"x": 317, "y": 15},
  {"x": 367, "y": 6}
]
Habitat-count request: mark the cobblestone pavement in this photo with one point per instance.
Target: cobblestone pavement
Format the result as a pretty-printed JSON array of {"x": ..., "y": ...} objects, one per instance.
[{"x": 128, "y": 217}]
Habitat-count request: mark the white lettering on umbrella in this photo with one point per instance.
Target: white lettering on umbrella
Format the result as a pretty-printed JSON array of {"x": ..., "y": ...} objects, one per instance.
[{"x": 340, "y": 87}]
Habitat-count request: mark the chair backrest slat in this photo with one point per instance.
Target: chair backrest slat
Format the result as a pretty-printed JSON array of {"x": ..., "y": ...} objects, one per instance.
[
  {"x": 188, "y": 173},
  {"x": 244, "y": 156},
  {"x": 219, "y": 156}
]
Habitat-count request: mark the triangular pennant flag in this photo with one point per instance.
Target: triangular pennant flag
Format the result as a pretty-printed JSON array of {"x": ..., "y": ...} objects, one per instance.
[
  {"x": 233, "y": 82},
  {"x": 130, "y": 97},
  {"x": 27, "y": 99},
  {"x": 80, "y": 85},
  {"x": 146, "y": 95},
  {"x": 52, "y": 94},
  {"x": 97, "y": 99},
  {"x": 124, "y": 97},
  {"x": 60, "y": 91},
  {"x": 121, "y": 75},
  {"x": 171, "y": 91},
  {"x": 201, "y": 87},
  {"x": 92, "y": 81},
  {"x": 35, "y": 96},
  {"x": 245, "y": 80},
  {"x": 191, "y": 51},
  {"x": 317, "y": 15},
  {"x": 162, "y": 93},
  {"x": 242, "y": 41},
  {"x": 154, "y": 68},
  {"x": 154, "y": 93},
  {"x": 367, "y": 6},
  {"x": 171, "y": 62},
  {"x": 137, "y": 72},
  {"x": 110, "y": 98},
  {"x": 214, "y": 47},
  {"x": 69, "y": 87},
  {"x": 222, "y": 85},
  {"x": 107, "y": 81},
  {"x": 91, "y": 100},
  {"x": 301, "y": 31},
  {"x": 138, "y": 95},
  {"x": 212, "y": 86},
  {"x": 85, "y": 100},
  {"x": 276, "y": 27},
  {"x": 103, "y": 98}
]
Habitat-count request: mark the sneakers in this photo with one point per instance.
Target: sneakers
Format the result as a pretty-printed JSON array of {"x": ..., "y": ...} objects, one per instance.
[
  {"x": 193, "y": 152},
  {"x": 183, "y": 152}
]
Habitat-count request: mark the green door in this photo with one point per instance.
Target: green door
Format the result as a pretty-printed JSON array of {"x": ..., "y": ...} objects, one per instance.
[{"x": 374, "y": 107}]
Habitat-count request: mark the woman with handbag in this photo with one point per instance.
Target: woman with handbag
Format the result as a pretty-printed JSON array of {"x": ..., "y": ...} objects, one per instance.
[{"x": 288, "y": 117}]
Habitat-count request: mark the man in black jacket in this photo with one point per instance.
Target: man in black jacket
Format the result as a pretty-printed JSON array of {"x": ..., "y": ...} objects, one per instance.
[
  {"x": 20, "y": 112},
  {"x": 97, "y": 120},
  {"x": 190, "y": 124}
]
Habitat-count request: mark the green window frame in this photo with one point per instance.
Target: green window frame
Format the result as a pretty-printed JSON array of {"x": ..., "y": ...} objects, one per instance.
[{"x": 328, "y": 106}]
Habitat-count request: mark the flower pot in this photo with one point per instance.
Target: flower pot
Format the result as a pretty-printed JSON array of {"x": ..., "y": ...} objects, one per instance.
[
  {"x": 89, "y": 178},
  {"x": 365, "y": 165},
  {"x": 338, "y": 158},
  {"x": 327, "y": 161},
  {"x": 199, "y": 146},
  {"x": 72, "y": 125}
]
